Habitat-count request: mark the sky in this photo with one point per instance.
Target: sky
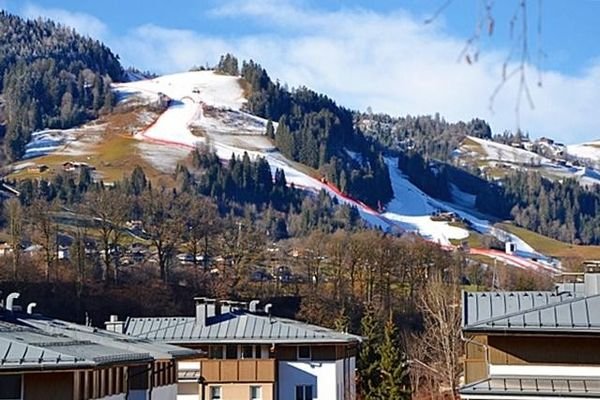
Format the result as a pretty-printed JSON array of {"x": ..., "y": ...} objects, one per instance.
[{"x": 386, "y": 55}]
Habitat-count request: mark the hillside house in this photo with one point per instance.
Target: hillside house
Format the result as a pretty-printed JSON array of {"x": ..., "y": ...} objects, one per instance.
[
  {"x": 43, "y": 358},
  {"x": 252, "y": 354},
  {"x": 526, "y": 345}
]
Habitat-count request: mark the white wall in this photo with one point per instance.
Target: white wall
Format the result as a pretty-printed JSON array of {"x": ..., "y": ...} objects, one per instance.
[
  {"x": 121, "y": 396},
  {"x": 321, "y": 374},
  {"x": 167, "y": 392},
  {"x": 544, "y": 370}
]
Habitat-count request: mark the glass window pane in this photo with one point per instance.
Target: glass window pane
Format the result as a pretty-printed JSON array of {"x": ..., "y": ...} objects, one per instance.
[
  {"x": 303, "y": 352},
  {"x": 247, "y": 351},
  {"x": 308, "y": 392},
  {"x": 255, "y": 392},
  {"x": 231, "y": 352},
  {"x": 299, "y": 392},
  {"x": 216, "y": 352},
  {"x": 215, "y": 393},
  {"x": 259, "y": 351},
  {"x": 10, "y": 386}
]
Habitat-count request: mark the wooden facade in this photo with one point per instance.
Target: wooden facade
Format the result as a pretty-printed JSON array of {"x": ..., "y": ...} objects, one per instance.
[
  {"x": 482, "y": 350},
  {"x": 238, "y": 370}
]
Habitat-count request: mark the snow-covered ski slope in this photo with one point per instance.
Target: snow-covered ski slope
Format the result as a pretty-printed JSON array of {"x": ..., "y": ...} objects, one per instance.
[
  {"x": 589, "y": 151},
  {"x": 206, "y": 105}
]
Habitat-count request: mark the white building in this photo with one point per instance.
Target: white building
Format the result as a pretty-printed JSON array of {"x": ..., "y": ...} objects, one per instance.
[{"x": 251, "y": 354}]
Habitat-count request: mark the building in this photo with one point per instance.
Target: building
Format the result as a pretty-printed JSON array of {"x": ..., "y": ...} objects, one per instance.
[
  {"x": 251, "y": 354},
  {"x": 526, "y": 345},
  {"x": 42, "y": 358}
]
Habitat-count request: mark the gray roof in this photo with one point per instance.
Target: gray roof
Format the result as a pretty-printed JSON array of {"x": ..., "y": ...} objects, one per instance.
[
  {"x": 531, "y": 312},
  {"x": 528, "y": 386},
  {"x": 236, "y": 326},
  {"x": 23, "y": 347},
  {"x": 158, "y": 351}
]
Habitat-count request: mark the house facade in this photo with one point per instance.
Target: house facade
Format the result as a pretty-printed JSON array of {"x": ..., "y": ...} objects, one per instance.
[
  {"x": 42, "y": 358},
  {"x": 250, "y": 354},
  {"x": 534, "y": 345}
]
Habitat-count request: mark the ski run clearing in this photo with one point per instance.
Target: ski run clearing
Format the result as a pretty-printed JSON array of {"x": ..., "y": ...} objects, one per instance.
[{"x": 207, "y": 108}]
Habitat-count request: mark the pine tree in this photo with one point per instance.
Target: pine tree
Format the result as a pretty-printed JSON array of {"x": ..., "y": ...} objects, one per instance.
[
  {"x": 368, "y": 357},
  {"x": 393, "y": 367},
  {"x": 270, "y": 130}
]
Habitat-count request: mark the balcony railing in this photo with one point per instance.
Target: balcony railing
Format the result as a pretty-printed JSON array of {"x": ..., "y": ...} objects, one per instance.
[{"x": 238, "y": 370}]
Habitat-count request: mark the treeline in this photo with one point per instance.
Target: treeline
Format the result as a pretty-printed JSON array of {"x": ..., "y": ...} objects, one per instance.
[
  {"x": 564, "y": 210},
  {"x": 51, "y": 77},
  {"x": 431, "y": 137},
  {"x": 313, "y": 130}
]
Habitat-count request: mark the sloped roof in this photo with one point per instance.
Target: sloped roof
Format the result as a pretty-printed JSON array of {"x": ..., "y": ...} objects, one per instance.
[
  {"x": 482, "y": 306},
  {"x": 23, "y": 347},
  {"x": 159, "y": 351},
  {"x": 532, "y": 312},
  {"x": 550, "y": 387},
  {"x": 237, "y": 326}
]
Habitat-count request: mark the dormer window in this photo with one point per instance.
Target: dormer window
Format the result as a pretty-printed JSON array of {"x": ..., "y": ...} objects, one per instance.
[{"x": 304, "y": 353}]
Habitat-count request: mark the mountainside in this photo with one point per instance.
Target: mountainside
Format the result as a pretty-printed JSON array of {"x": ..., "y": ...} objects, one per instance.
[
  {"x": 444, "y": 181},
  {"x": 50, "y": 77}
]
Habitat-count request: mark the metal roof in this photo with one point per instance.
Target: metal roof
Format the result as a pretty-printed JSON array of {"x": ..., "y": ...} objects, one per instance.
[
  {"x": 236, "y": 326},
  {"x": 23, "y": 347},
  {"x": 483, "y": 306},
  {"x": 530, "y": 386},
  {"x": 159, "y": 351}
]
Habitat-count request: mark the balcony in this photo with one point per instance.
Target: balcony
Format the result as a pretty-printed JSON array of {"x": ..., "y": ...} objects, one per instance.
[{"x": 259, "y": 370}]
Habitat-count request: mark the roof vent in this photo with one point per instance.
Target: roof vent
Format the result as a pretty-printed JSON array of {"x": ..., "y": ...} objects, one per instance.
[
  {"x": 30, "y": 308},
  {"x": 10, "y": 300},
  {"x": 254, "y": 305}
]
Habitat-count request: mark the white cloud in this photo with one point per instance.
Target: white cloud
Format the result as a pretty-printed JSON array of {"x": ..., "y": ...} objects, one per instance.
[
  {"x": 83, "y": 23},
  {"x": 392, "y": 62}
]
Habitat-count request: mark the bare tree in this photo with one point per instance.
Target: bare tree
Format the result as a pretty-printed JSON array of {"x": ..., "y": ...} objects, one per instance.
[
  {"x": 13, "y": 212},
  {"x": 44, "y": 232},
  {"x": 164, "y": 224},
  {"x": 109, "y": 209},
  {"x": 440, "y": 347}
]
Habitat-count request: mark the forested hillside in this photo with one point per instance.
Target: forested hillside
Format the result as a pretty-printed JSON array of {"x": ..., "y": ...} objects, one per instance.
[
  {"x": 314, "y": 130},
  {"x": 51, "y": 77}
]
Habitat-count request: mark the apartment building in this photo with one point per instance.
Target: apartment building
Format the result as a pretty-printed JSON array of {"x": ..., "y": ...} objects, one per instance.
[
  {"x": 534, "y": 345},
  {"x": 249, "y": 354},
  {"x": 43, "y": 358}
]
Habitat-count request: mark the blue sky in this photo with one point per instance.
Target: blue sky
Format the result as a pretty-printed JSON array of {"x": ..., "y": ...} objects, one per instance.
[{"x": 367, "y": 53}]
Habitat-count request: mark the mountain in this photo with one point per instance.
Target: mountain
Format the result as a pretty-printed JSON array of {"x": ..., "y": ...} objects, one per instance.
[
  {"x": 448, "y": 182},
  {"x": 50, "y": 77}
]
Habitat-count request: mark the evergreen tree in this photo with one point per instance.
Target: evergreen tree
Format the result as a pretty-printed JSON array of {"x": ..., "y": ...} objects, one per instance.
[
  {"x": 368, "y": 363},
  {"x": 394, "y": 384}
]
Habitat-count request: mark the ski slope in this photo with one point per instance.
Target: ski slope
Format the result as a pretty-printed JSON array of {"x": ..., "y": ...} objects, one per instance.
[
  {"x": 207, "y": 108},
  {"x": 588, "y": 151}
]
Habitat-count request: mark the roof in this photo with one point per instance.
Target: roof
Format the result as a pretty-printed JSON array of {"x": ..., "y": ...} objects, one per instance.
[
  {"x": 534, "y": 312},
  {"x": 23, "y": 347},
  {"x": 158, "y": 351},
  {"x": 236, "y": 326},
  {"x": 528, "y": 386}
]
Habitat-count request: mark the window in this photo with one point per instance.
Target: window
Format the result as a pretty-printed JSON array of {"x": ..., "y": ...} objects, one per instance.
[
  {"x": 231, "y": 352},
  {"x": 10, "y": 387},
  {"x": 216, "y": 393},
  {"x": 255, "y": 392},
  {"x": 247, "y": 351},
  {"x": 304, "y": 353},
  {"x": 216, "y": 352},
  {"x": 304, "y": 392}
]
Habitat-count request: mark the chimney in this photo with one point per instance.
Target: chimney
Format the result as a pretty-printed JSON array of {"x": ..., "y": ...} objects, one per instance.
[
  {"x": 10, "y": 299},
  {"x": 114, "y": 325},
  {"x": 591, "y": 279},
  {"x": 205, "y": 309}
]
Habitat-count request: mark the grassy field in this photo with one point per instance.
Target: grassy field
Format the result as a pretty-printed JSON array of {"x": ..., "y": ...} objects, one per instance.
[
  {"x": 553, "y": 247},
  {"x": 114, "y": 153}
]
